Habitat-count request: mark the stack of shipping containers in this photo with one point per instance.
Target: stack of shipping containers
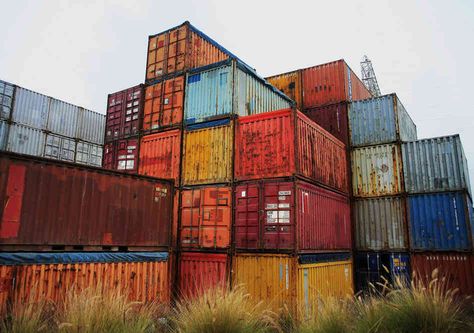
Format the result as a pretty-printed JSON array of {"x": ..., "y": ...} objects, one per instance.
[
  {"x": 439, "y": 210},
  {"x": 35, "y": 124}
]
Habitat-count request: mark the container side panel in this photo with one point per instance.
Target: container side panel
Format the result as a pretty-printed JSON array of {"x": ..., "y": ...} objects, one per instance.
[
  {"x": 26, "y": 140},
  {"x": 63, "y": 118},
  {"x": 333, "y": 118},
  {"x": 406, "y": 126},
  {"x": 290, "y": 85},
  {"x": 4, "y": 130},
  {"x": 7, "y": 91},
  {"x": 89, "y": 153},
  {"x": 30, "y": 108}
]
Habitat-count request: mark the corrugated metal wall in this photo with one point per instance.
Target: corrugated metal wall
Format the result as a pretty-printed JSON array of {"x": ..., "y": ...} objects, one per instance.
[
  {"x": 437, "y": 164},
  {"x": 380, "y": 224},
  {"x": 30, "y": 108},
  {"x": 91, "y": 126},
  {"x": 290, "y": 84},
  {"x": 6, "y": 99},
  {"x": 63, "y": 118},
  {"x": 377, "y": 170},
  {"x": 26, "y": 140}
]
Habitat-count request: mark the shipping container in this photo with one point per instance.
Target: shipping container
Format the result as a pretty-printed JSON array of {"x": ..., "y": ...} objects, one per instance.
[
  {"x": 7, "y": 92},
  {"x": 379, "y": 120},
  {"x": 91, "y": 127},
  {"x": 291, "y": 216},
  {"x": 4, "y": 129},
  {"x": 160, "y": 155},
  {"x": 141, "y": 276},
  {"x": 122, "y": 155},
  {"x": 124, "y": 111},
  {"x": 287, "y": 143},
  {"x": 226, "y": 89},
  {"x": 206, "y": 217},
  {"x": 54, "y": 204},
  {"x": 179, "y": 49},
  {"x": 60, "y": 148},
  {"x": 63, "y": 118},
  {"x": 290, "y": 84},
  {"x": 30, "y": 108},
  {"x": 455, "y": 270},
  {"x": 376, "y": 270},
  {"x": 380, "y": 224},
  {"x": 377, "y": 170},
  {"x": 208, "y": 153},
  {"x": 435, "y": 165},
  {"x": 440, "y": 221},
  {"x": 333, "y": 118},
  {"x": 297, "y": 283},
  {"x": 89, "y": 153},
  {"x": 164, "y": 104},
  {"x": 331, "y": 83},
  {"x": 199, "y": 272},
  {"x": 26, "y": 140}
]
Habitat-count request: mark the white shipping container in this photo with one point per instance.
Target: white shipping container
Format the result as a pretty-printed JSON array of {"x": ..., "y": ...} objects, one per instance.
[
  {"x": 91, "y": 126},
  {"x": 26, "y": 140},
  {"x": 30, "y": 108},
  {"x": 89, "y": 153},
  {"x": 60, "y": 148},
  {"x": 63, "y": 118}
]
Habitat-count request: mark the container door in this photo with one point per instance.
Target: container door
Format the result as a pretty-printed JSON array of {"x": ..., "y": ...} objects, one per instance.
[
  {"x": 152, "y": 108},
  {"x": 215, "y": 219},
  {"x": 127, "y": 155},
  {"x": 177, "y": 50},
  {"x": 114, "y": 116},
  {"x": 278, "y": 219},
  {"x": 173, "y": 99},
  {"x": 132, "y": 112},
  {"x": 400, "y": 268},
  {"x": 247, "y": 200},
  {"x": 191, "y": 202}
]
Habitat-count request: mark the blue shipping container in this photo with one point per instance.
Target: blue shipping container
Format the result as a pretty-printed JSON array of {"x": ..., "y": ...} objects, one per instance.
[
  {"x": 440, "y": 221},
  {"x": 229, "y": 88},
  {"x": 380, "y": 120},
  {"x": 375, "y": 268}
]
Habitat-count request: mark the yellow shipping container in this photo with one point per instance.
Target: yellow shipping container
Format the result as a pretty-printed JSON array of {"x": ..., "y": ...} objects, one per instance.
[
  {"x": 208, "y": 154},
  {"x": 290, "y": 84},
  {"x": 293, "y": 282}
]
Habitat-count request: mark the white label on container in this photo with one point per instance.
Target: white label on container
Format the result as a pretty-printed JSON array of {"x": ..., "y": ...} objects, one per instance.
[
  {"x": 131, "y": 147},
  {"x": 272, "y": 216},
  {"x": 135, "y": 103},
  {"x": 284, "y": 192},
  {"x": 122, "y": 157},
  {"x": 275, "y": 216},
  {"x": 129, "y": 105},
  {"x": 243, "y": 194},
  {"x": 166, "y": 101},
  {"x": 281, "y": 198},
  {"x": 271, "y": 206},
  {"x": 121, "y": 165},
  {"x": 130, "y": 165},
  {"x": 135, "y": 117},
  {"x": 128, "y": 118},
  {"x": 284, "y": 205},
  {"x": 130, "y": 157},
  {"x": 284, "y": 216}
]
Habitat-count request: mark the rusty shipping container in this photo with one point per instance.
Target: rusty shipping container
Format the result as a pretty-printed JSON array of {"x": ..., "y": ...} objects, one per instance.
[
  {"x": 378, "y": 120},
  {"x": 57, "y": 204},
  {"x": 287, "y": 143},
  {"x": 26, "y": 276},
  {"x": 228, "y": 89},
  {"x": 380, "y": 224},
  {"x": 333, "y": 118},
  {"x": 291, "y": 216},
  {"x": 296, "y": 283},
  {"x": 122, "y": 155},
  {"x": 290, "y": 84},
  {"x": 179, "y": 49},
  {"x": 206, "y": 217},
  {"x": 164, "y": 104},
  {"x": 435, "y": 165},
  {"x": 208, "y": 153},
  {"x": 160, "y": 155},
  {"x": 124, "y": 112},
  {"x": 198, "y": 272},
  {"x": 377, "y": 170},
  {"x": 456, "y": 269}
]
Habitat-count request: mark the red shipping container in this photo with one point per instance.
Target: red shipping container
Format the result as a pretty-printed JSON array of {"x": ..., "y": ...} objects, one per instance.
[
  {"x": 333, "y": 118},
  {"x": 160, "y": 155},
  {"x": 124, "y": 110},
  {"x": 456, "y": 268},
  {"x": 53, "y": 203},
  {"x": 198, "y": 272},
  {"x": 287, "y": 143},
  {"x": 206, "y": 217},
  {"x": 291, "y": 215},
  {"x": 331, "y": 83},
  {"x": 164, "y": 104},
  {"x": 121, "y": 155}
]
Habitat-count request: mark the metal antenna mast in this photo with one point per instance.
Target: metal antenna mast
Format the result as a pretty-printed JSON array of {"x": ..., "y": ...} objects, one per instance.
[{"x": 368, "y": 76}]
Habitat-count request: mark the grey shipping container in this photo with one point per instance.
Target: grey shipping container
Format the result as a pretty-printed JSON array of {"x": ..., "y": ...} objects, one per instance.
[
  {"x": 380, "y": 224},
  {"x": 26, "y": 140},
  {"x": 380, "y": 120},
  {"x": 4, "y": 129},
  {"x": 91, "y": 126},
  {"x": 30, "y": 108},
  {"x": 435, "y": 165},
  {"x": 7, "y": 91},
  {"x": 63, "y": 118},
  {"x": 89, "y": 153},
  {"x": 60, "y": 148}
]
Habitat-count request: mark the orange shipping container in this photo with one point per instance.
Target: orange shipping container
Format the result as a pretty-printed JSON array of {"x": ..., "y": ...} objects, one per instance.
[
  {"x": 290, "y": 84},
  {"x": 179, "y": 49},
  {"x": 160, "y": 155},
  {"x": 164, "y": 104},
  {"x": 206, "y": 215},
  {"x": 143, "y": 276}
]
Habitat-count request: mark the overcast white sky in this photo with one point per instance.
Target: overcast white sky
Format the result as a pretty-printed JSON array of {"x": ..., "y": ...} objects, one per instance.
[{"x": 80, "y": 51}]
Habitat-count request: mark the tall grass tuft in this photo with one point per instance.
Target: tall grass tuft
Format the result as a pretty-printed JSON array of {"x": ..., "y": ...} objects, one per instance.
[
  {"x": 332, "y": 315},
  {"x": 90, "y": 311},
  {"x": 217, "y": 311}
]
